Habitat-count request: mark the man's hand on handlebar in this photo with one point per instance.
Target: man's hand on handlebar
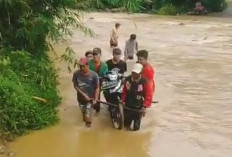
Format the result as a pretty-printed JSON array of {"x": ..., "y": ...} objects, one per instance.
[
  {"x": 94, "y": 101},
  {"x": 143, "y": 111}
]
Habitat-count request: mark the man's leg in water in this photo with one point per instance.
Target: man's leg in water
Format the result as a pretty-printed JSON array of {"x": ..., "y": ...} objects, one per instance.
[
  {"x": 137, "y": 120},
  {"x": 86, "y": 110},
  {"x": 127, "y": 119}
]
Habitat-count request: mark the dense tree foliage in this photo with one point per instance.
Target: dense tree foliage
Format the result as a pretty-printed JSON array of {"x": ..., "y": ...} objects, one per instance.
[
  {"x": 29, "y": 24},
  {"x": 28, "y": 88},
  {"x": 180, "y": 6}
]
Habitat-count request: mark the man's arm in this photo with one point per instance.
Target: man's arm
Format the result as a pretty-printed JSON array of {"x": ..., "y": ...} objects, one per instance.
[
  {"x": 125, "y": 52},
  {"x": 106, "y": 68},
  {"x": 97, "y": 92},
  {"x": 103, "y": 69},
  {"x": 112, "y": 35},
  {"x": 136, "y": 46},
  {"x": 81, "y": 92},
  {"x": 97, "y": 86},
  {"x": 149, "y": 73},
  {"x": 125, "y": 66},
  {"x": 124, "y": 91},
  {"x": 148, "y": 89}
]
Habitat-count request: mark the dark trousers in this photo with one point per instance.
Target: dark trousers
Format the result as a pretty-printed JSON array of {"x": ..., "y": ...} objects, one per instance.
[{"x": 130, "y": 116}]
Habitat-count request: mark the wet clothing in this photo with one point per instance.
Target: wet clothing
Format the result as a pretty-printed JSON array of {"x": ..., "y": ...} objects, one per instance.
[
  {"x": 130, "y": 116},
  {"x": 114, "y": 37},
  {"x": 113, "y": 43},
  {"x": 101, "y": 71},
  {"x": 130, "y": 49},
  {"x": 121, "y": 65},
  {"x": 86, "y": 108},
  {"x": 87, "y": 83},
  {"x": 135, "y": 95},
  {"x": 148, "y": 73}
]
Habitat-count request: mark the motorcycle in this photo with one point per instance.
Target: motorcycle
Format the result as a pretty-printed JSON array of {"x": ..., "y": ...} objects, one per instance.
[{"x": 112, "y": 86}]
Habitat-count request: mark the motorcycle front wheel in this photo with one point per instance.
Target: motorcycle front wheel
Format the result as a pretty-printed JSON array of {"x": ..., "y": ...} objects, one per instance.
[{"x": 117, "y": 116}]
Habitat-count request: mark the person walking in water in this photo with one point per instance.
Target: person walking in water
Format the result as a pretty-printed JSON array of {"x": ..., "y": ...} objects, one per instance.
[
  {"x": 148, "y": 71},
  {"x": 114, "y": 35},
  {"x": 86, "y": 83},
  {"x": 99, "y": 67},
  {"x": 137, "y": 96},
  {"x": 131, "y": 47}
]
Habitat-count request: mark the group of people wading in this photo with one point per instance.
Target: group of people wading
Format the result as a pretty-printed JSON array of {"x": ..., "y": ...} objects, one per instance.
[{"x": 138, "y": 88}]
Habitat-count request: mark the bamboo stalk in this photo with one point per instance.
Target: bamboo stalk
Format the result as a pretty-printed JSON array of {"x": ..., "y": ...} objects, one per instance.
[{"x": 40, "y": 99}]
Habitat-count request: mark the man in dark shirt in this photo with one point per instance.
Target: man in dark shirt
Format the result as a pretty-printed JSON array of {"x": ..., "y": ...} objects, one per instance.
[
  {"x": 86, "y": 83},
  {"x": 116, "y": 62},
  {"x": 135, "y": 96}
]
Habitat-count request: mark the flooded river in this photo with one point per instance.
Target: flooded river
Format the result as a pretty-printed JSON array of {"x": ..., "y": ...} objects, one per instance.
[{"x": 192, "y": 57}]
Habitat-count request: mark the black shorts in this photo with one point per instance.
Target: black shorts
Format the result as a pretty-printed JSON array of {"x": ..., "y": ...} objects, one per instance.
[
  {"x": 131, "y": 57},
  {"x": 113, "y": 44}
]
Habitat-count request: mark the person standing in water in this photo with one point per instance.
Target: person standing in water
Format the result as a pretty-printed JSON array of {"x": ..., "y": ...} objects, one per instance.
[
  {"x": 137, "y": 96},
  {"x": 99, "y": 67},
  {"x": 86, "y": 83},
  {"x": 114, "y": 35},
  {"x": 131, "y": 47},
  {"x": 148, "y": 71}
]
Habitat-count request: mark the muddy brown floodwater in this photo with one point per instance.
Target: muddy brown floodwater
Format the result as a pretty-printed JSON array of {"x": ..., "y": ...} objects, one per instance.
[{"x": 192, "y": 57}]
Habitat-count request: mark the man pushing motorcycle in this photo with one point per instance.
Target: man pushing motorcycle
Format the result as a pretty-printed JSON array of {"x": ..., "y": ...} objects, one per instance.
[
  {"x": 136, "y": 97},
  {"x": 86, "y": 83}
]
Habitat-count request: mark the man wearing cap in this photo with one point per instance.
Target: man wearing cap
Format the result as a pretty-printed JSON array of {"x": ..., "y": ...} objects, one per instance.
[
  {"x": 89, "y": 54},
  {"x": 99, "y": 67},
  {"x": 96, "y": 64},
  {"x": 116, "y": 62},
  {"x": 86, "y": 83},
  {"x": 136, "y": 95}
]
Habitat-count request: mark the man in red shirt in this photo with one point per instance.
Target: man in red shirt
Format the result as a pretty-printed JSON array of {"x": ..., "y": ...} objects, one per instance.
[{"x": 148, "y": 71}]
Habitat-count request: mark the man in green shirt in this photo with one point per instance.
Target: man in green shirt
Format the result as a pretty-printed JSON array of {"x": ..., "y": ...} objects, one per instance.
[{"x": 99, "y": 67}]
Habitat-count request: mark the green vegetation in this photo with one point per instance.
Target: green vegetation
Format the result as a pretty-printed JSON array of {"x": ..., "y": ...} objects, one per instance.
[
  {"x": 28, "y": 81},
  {"x": 24, "y": 78},
  {"x": 156, "y": 6},
  {"x": 168, "y": 10}
]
